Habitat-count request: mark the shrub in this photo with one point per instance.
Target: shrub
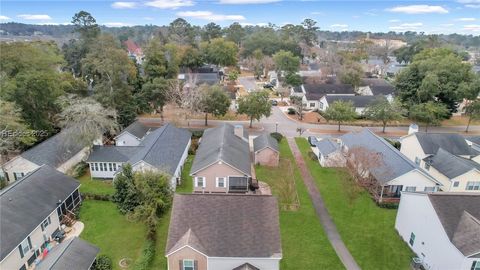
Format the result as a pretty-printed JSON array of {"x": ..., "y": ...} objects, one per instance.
[
  {"x": 3, "y": 182},
  {"x": 388, "y": 205},
  {"x": 312, "y": 155},
  {"x": 291, "y": 111},
  {"x": 96, "y": 197},
  {"x": 196, "y": 134},
  {"x": 277, "y": 136},
  {"x": 103, "y": 262},
  {"x": 193, "y": 147},
  {"x": 80, "y": 169},
  {"x": 396, "y": 144},
  {"x": 146, "y": 258}
]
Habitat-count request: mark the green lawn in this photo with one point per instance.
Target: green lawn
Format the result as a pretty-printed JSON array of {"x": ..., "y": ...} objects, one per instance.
[
  {"x": 95, "y": 186},
  {"x": 367, "y": 230},
  {"x": 304, "y": 243},
  {"x": 187, "y": 182},
  {"x": 106, "y": 228}
]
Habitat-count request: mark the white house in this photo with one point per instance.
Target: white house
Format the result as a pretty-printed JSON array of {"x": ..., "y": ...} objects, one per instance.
[
  {"x": 32, "y": 211},
  {"x": 57, "y": 152},
  {"x": 376, "y": 87},
  {"x": 133, "y": 134},
  {"x": 395, "y": 173},
  {"x": 329, "y": 153},
  {"x": 164, "y": 149},
  {"x": 442, "y": 228},
  {"x": 457, "y": 174},
  {"x": 360, "y": 103}
]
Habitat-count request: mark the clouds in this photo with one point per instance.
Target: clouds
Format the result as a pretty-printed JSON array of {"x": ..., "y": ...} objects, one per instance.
[
  {"x": 210, "y": 16},
  {"x": 116, "y": 24},
  {"x": 38, "y": 17},
  {"x": 339, "y": 26},
  {"x": 406, "y": 27},
  {"x": 4, "y": 18},
  {"x": 170, "y": 4},
  {"x": 418, "y": 9},
  {"x": 470, "y": 3},
  {"x": 472, "y": 27},
  {"x": 466, "y": 19},
  {"x": 124, "y": 5}
]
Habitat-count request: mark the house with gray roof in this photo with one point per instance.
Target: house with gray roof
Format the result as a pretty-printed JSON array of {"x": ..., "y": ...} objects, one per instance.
[
  {"x": 57, "y": 152},
  {"x": 220, "y": 231},
  {"x": 420, "y": 147},
  {"x": 133, "y": 134},
  {"x": 442, "y": 228},
  {"x": 164, "y": 149},
  {"x": 73, "y": 253},
  {"x": 312, "y": 93},
  {"x": 360, "y": 103},
  {"x": 329, "y": 153},
  {"x": 222, "y": 163},
  {"x": 265, "y": 150},
  {"x": 395, "y": 172},
  {"x": 32, "y": 211},
  {"x": 457, "y": 174},
  {"x": 474, "y": 142}
]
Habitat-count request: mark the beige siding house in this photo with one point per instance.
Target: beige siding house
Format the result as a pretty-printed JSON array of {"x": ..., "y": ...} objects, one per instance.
[
  {"x": 265, "y": 150},
  {"x": 248, "y": 236},
  {"x": 32, "y": 211},
  {"x": 55, "y": 152},
  {"x": 222, "y": 163}
]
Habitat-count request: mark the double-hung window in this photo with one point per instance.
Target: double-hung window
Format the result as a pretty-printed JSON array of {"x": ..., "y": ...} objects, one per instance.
[
  {"x": 412, "y": 239},
  {"x": 188, "y": 265},
  {"x": 417, "y": 160},
  {"x": 114, "y": 167},
  {"x": 430, "y": 189},
  {"x": 110, "y": 166},
  {"x": 456, "y": 184},
  {"x": 92, "y": 166},
  {"x": 25, "y": 247},
  {"x": 475, "y": 265},
  {"x": 18, "y": 175},
  {"x": 221, "y": 182},
  {"x": 473, "y": 185},
  {"x": 45, "y": 223},
  {"x": 101, "y": 167},
  {"x": 200, "y": 181},
  {"x": 410, "y": 189}
]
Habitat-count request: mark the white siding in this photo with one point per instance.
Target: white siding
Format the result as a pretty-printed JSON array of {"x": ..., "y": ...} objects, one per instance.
[
  {"x": 127, "y": 139},
  {"x": 416, "y": 215},
  {"x": 105, "y": 174},
  {"x": 413, "y": 179},
  {"x": 19, "y": 165},
  {"x": 411, "y": 148},
  {"x": 230, "y": 263},
  {"x": 77, "y": 158}
]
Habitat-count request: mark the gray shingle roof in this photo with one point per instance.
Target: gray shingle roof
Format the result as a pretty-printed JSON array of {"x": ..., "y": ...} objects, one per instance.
[
  {"x": 138, "y": 129},
  {"x": 264, "y": 140},
  {"x": 163, "y": 148},
  {"x": 203, "y": 78},
  {"x": 227, "y": 225},
  {"x": 73, "y": 253},
  {"x": 379, "y": 86},
  {"x": 459, "y": 214},
  {"x": 53, "y": 152},
  {"x": 474, "y": 139},
  {"x": 317, "y": 91},
  {"x": 327, "y": 146},
  {"x": 220, "y": 143},
  {"x": 451, "y": 142},
  {"x": 112, "y": 153},
  {"x": 358, "y": 101},
  {"x": 27, "y": 202},
  {"x": 394, "y": 164},
  {"x": 450, "y": 165}
]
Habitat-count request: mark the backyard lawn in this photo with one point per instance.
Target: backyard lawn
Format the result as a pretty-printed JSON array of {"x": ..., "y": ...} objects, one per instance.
[
  {"x": 367, "y": 230},
  {"x": 106, "y": 228},
  {"x": 304, "y": 243},
  {"x": 187, "y": 182},
  {"x": 95, "y": 186}
]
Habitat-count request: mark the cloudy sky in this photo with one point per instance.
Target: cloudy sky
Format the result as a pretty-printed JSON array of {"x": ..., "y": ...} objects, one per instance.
[{"x": 460, "y": 16}]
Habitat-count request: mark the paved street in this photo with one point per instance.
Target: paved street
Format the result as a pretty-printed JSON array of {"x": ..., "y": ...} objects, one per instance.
[
  {"x": 278, "y": 121},
  {"x": 321, "y": 210}
]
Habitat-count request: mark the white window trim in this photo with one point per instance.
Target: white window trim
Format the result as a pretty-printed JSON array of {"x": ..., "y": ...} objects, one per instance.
[
  {"x": 224, "y": 182},
  {"x": 188, "y": 260},
  {"x": 204, "y": 181}
]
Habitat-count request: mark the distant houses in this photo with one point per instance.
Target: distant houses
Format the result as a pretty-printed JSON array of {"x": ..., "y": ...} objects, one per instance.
[
  {"x": 134, "y": 51},
  {"x": 57, "y": 152},
  {"x": 32, "y": 211},
  {"x": 163, "y": 149},
  {"x": 442, "y": 228},
  {"x": 217, "y": 231}
]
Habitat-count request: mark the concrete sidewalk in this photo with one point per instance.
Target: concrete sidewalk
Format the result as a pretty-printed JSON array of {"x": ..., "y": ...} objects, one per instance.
[{"x": 321, "y": 210}]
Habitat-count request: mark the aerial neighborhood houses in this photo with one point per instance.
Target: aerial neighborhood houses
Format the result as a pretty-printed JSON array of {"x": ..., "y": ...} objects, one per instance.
[
  {"x": 224, "y": 232},
  {"x": 57, "y": 152},
  {"x": 163, "y": 149},
  {"x": 319, "y": 95},
  {"x": 34, "y": 209}
]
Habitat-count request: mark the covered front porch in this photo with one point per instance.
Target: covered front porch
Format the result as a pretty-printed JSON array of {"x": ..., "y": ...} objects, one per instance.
[{"x": 388, "y": 194}]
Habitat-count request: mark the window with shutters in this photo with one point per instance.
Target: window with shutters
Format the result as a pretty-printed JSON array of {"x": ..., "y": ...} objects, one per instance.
[
  {"x": 199, "y": 181},
  {"x": 188, "y": 265},
  {"x": 25, "y": 247}
]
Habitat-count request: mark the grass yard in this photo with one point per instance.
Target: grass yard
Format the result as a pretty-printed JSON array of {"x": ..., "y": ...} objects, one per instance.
[
  {"x": 106, "y": 228},
  {"x": 187, "y": 182},
  {"x": 103, "y": 187},
  {"x": 304, "y": 243},
  {"x": 367, "y": 230}
]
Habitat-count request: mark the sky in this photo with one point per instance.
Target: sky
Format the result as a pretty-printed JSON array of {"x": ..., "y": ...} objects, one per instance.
[{"x": 432, "y": 17}]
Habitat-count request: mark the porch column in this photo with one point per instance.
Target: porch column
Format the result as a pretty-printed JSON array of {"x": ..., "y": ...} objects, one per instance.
[{"x": 381, "y": 195}]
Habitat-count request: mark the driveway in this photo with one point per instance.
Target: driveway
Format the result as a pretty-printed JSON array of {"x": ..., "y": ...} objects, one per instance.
[{"x": 248, "y": 83}]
